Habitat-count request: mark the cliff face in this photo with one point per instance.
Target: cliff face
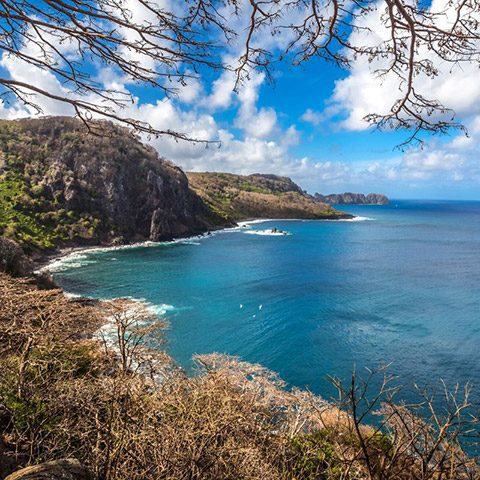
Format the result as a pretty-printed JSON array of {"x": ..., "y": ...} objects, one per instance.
[
  {"x": 240, "y": 197},
  {"x": 353, "y": 198},
  {"x": 61, "y": 185}
]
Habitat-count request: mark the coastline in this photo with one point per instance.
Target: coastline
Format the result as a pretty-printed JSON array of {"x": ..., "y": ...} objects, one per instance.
[
  {"x": 48, "y": 258},
  {"x": 60, "y": 259},
  {"x": 44, "y": 265}
]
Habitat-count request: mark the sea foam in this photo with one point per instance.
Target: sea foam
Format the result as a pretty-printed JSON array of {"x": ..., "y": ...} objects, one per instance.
[
  {"x": 355, "y": 219},
  {"x": 83, "y": 256},
  {"x": 267, "y": 233}
]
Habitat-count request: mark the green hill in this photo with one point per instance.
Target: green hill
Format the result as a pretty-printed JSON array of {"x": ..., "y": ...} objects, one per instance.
[{"x": 61, "y": 185}]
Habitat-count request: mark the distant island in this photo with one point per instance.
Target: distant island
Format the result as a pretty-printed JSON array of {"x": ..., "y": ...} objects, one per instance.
[{"x": 349, "y": 198}]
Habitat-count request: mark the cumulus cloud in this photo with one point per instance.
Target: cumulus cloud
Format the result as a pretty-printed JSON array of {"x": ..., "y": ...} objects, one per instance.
[
  {"x": 256, "y": 141},
  {"x": 222, "y": 93},
  {"x": 313, "y": 117},
  {"x": 20, "y": 70},
  {"x": 363, "y": 92}
]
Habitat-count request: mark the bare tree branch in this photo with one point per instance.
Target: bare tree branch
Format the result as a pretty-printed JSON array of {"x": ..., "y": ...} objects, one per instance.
[{"x": 146, "y": 44}]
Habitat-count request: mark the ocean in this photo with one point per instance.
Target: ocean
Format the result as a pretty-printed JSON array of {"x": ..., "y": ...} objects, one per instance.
[{"x": 400, "y": 287}]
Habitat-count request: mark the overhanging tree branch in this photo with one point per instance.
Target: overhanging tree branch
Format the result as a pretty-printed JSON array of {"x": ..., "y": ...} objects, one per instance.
[{"x": 146, "y": 44}]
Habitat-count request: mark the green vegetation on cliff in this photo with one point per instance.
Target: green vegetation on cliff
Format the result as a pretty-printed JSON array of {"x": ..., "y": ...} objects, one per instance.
[
  {"x": 27, "y": 213},
  {"x": 240, "y": 197},
  {"x": 62, "y": 185}
]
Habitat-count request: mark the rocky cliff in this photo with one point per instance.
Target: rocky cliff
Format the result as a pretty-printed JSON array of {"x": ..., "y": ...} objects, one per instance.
[
  {"x": 62, "y": 185},
  {"x": 353, "y": 198},
  {"x": 242, "y": 197}
]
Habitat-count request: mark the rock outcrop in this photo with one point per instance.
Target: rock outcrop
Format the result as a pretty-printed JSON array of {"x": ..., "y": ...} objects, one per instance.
[
  {"x": 349, "y": 198},
  {"x": 13, "y": 260}
]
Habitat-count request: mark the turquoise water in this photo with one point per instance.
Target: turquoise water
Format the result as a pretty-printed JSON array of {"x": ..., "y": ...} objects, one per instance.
[{"x": 402, "y": 288}]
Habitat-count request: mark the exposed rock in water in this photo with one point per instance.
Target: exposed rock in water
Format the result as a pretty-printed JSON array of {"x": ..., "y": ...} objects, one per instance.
[
  {"x": 61, "y": 185},
  {"x": 243, "y": 197},
  {"x": 348, "y": 198}
]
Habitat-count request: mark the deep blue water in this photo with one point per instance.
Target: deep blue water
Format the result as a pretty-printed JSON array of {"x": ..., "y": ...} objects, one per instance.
[{"x": 403, "y": 289}]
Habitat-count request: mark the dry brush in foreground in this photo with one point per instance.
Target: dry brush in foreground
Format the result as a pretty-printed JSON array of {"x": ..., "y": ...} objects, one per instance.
[{"x": 126, "y": 412}]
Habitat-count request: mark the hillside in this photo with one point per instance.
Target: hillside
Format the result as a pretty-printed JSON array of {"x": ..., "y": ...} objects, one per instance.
[
  {"x": 61, "y": 185},
  {"x": 349, "y": 198},
  {"x": 239, "y": 197}
]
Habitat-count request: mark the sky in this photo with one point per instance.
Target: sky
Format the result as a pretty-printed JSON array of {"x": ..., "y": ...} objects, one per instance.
[{"x": 308, "y": 123}]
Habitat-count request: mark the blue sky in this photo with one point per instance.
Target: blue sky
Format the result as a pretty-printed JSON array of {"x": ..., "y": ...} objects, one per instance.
[{"x": 308, "y": 124}]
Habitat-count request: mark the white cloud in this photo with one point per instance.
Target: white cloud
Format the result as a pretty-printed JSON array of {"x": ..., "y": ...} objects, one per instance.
[
  {"x": 222, "y": 92},
  {"x": 364, "y": 92},
  {"x": 313, "y": 117},
  {"x": 291, "y": 136},
  {"x": 257, "y": 123},
  {"x": 262, "y": 145},
  {"x": 21, "y": 71}
]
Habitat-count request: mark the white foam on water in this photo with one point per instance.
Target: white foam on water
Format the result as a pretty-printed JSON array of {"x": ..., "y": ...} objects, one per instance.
[
  {"x": 72, "y": 295},
  {"x": 267, "y": 233},
  {"x": 156, "y": 309},
  {"x": 159, "y": 310},
  {"x": 81, "y": 257},
  {"x": 108, "y": 331},
  {"x": 246, "y": 223},
  {"x": 72, "y": 260},
  {"x": 355, "y": 219}
]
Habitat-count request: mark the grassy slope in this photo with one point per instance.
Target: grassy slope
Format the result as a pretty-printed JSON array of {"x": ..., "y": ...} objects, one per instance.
[{"x": 238, "y": 197}]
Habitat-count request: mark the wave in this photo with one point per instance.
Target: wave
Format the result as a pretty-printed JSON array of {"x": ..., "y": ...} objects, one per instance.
[
  {"x": 246, "y": 223},
  {"x": 71, "y": 260},
  {"x": 83, "y": 256},
  {"x": 267, "y": 233},
  {"x": 73, "y": 295},
  {"x": 355, "y": 219},
  {"x": 108, "y": 331},
  {"x": 158, "y": 310}
]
